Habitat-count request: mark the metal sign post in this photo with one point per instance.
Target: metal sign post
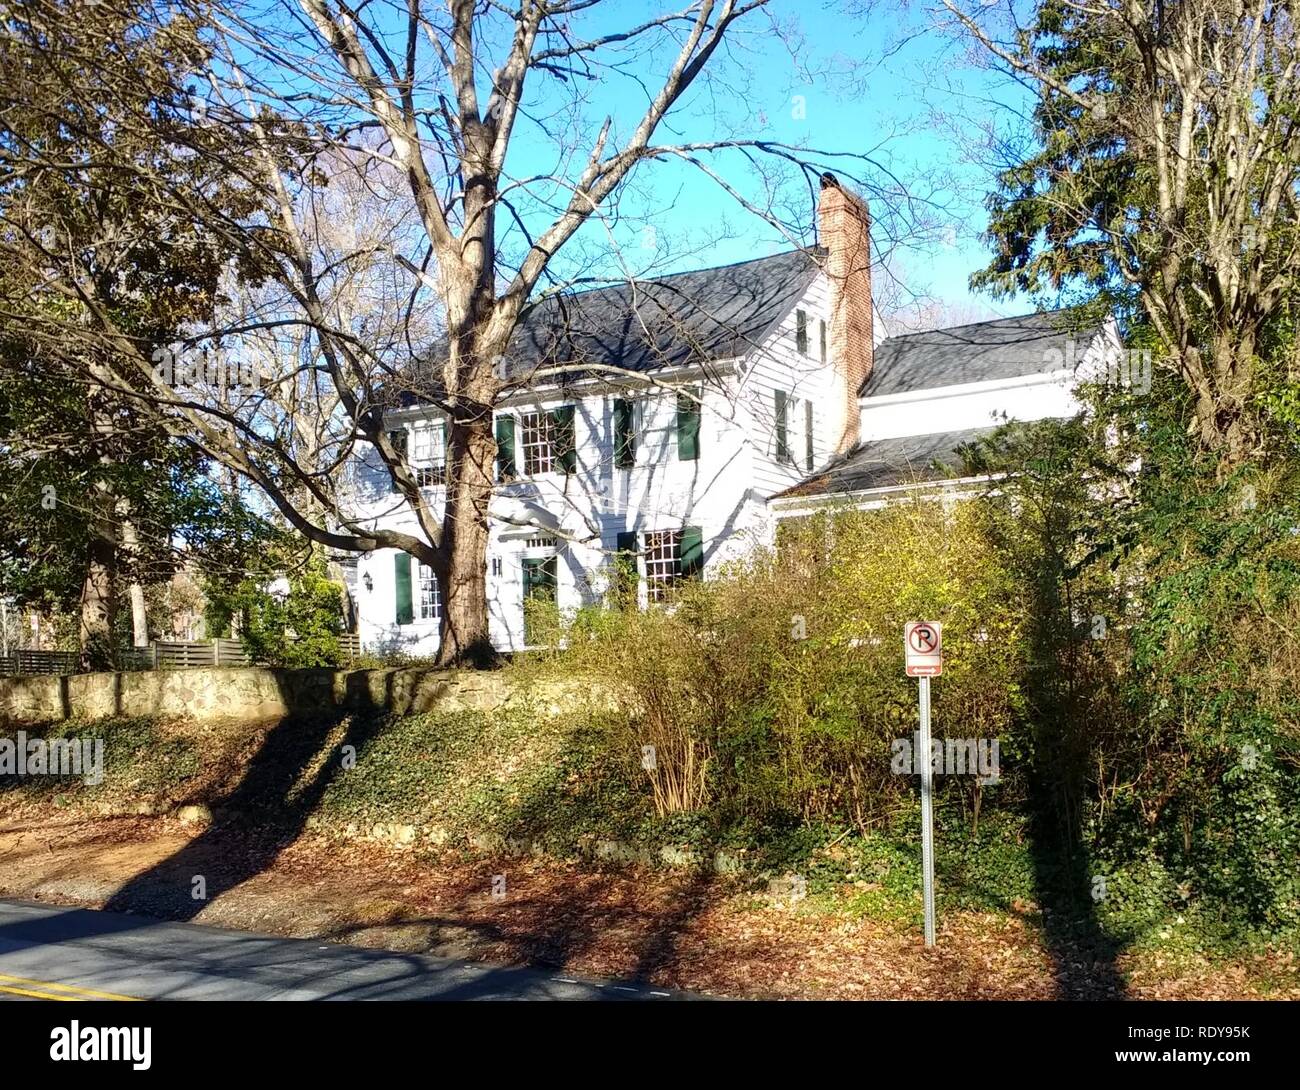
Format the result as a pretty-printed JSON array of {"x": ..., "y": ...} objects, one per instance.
[
  {"x": 927, "y": 811},
  {"x": 923, "y": 644}
]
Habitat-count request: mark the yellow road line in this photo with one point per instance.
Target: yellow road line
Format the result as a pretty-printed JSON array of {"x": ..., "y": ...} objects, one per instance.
[
  {"x": 77, "y": 992},
  {"x": 38, "y": 995}
]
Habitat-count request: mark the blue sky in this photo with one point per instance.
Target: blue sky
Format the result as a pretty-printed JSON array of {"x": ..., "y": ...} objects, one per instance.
[
  {"x": 811, "y": 73},
  {"x": 804, "y": 90}
]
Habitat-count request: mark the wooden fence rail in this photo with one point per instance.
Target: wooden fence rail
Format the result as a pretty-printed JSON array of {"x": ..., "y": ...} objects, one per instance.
[{"x": 159, "y": 655}]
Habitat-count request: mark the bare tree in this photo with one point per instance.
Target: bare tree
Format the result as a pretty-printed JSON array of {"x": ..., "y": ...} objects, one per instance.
[{"x": 313, "y": 105}]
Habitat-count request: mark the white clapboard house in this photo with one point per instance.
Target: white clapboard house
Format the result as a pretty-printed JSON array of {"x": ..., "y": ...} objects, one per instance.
[{"x": 693, "y": 411}]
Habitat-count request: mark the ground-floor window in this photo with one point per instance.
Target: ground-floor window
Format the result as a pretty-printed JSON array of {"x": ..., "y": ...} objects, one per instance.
[
  {"x": 663, "y": 568},
  {"x": 430, "y": 603},
  {"x": 669, "y": 557}
]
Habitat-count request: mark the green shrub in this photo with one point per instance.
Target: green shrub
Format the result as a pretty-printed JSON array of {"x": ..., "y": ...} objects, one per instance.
[{"x": 771, "y": 694}]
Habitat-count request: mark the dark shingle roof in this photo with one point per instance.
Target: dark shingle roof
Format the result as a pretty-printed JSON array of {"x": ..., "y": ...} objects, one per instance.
[
  {"x": 669, "y": 321},
  {"x": 1003, "y": 348},
  {"x": 886, "y": 462}
]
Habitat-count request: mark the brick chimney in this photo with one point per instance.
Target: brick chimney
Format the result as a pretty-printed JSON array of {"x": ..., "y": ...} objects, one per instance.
[{"x": 844, "y": 230}]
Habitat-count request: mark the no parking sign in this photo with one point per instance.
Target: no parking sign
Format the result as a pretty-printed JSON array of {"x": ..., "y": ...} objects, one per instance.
[{"x": 923, "y": 641}]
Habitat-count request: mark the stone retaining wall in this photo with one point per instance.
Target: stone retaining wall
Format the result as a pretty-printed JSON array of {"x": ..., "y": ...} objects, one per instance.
[{"x": 246, "y": 693}]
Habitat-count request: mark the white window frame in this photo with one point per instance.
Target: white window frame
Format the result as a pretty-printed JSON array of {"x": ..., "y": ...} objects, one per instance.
[
  {"x": 428, "y": 600},
  {"x": 535, "y": 443},
  {"x": 428, "y": 457},
  {"x": 662, "y": 573}
]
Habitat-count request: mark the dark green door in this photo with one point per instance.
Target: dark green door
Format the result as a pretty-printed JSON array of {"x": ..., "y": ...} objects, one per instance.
[{"x": 539, "y": 590}]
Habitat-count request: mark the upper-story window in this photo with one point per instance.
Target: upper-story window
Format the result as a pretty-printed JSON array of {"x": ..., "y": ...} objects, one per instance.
[
  {"x": 428, "y": 458},
  {"x": 793, "y": 429},
  {"x": 688, "y": 425},
  {"x": 782, "y": 418},
  {"x": 624, "y": 433},
  {"x": 397, "y": 440},
  {"x": 821, "y": 327},
  {"x": 507, "y": 469},
  {"x": 548, "y": 442},
  {"x": 801, "y": 331},
  {"x": 537, "y": 443},
  {"x": 424, "y": 450}
]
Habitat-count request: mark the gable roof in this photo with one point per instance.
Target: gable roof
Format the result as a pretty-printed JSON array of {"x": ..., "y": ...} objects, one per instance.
[
  {"x": 984, "y": 351},
  {"x": 638, "y": 325},
  {"x": 668, "y": 321},
  {"x": 886, "y": 462}
]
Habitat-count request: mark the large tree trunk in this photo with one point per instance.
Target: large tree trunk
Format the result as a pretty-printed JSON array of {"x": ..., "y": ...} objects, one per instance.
[
  {"x": 97, "y": 605},
  {"x": 97, "y": 590},
  {"x": 1225, "y": 424},
  {"x": 139, "y": 615},
  {"x": 462, "y": 575}
]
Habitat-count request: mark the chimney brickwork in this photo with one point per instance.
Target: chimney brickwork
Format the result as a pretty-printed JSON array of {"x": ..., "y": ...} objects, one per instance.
[{"x": 844, "y": 229}]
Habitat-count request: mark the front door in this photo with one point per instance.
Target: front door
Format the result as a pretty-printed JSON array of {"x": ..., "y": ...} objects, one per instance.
[{"x": 539, "y": 590}]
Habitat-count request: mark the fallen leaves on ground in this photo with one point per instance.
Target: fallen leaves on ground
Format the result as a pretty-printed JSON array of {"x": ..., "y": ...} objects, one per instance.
[{"x": 684, "y": 931}]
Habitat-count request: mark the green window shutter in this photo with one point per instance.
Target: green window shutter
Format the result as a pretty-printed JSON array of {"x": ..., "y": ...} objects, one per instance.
[
  {"x": 688, "y": 426},
  {"x": 506, "y": 448},
  {"x": 808, "y": 434},
  {"x": 563, "y": 448},
  {"x": 782, "y": 429},
  {"x": 624, "y": 434},
  {"x": 691, "y": 557},
  {"x": 397, "y": 440},
  {"x": 801, "y": 332},
  {"x": 822, "y": 324},
  {"x": 402, "y": 582}
]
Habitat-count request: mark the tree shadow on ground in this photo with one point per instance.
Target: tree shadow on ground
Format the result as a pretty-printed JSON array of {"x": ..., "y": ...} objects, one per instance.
[
  {"x": 1069, "y": 692},
  {"x": 267, "y": 810},
  {"x": 1084, "y": 956},
  {"x": 625, "y": 921}
]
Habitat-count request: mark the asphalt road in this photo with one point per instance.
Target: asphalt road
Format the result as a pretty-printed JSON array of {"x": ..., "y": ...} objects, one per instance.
[{"x": 51, "y": 953}]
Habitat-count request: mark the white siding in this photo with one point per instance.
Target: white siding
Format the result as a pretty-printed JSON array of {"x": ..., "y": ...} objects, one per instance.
[
  {"x": 585, "y": 511},
  {"x": 972, "y": 405},
  {"x": 778, "y": 365},
  {"x": 1047, "y": 395},
  {"x": 723, "y": 492}
]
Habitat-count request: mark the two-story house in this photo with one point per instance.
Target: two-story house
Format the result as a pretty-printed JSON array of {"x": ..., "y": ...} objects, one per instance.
[{"x": 647, "y": 427}]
